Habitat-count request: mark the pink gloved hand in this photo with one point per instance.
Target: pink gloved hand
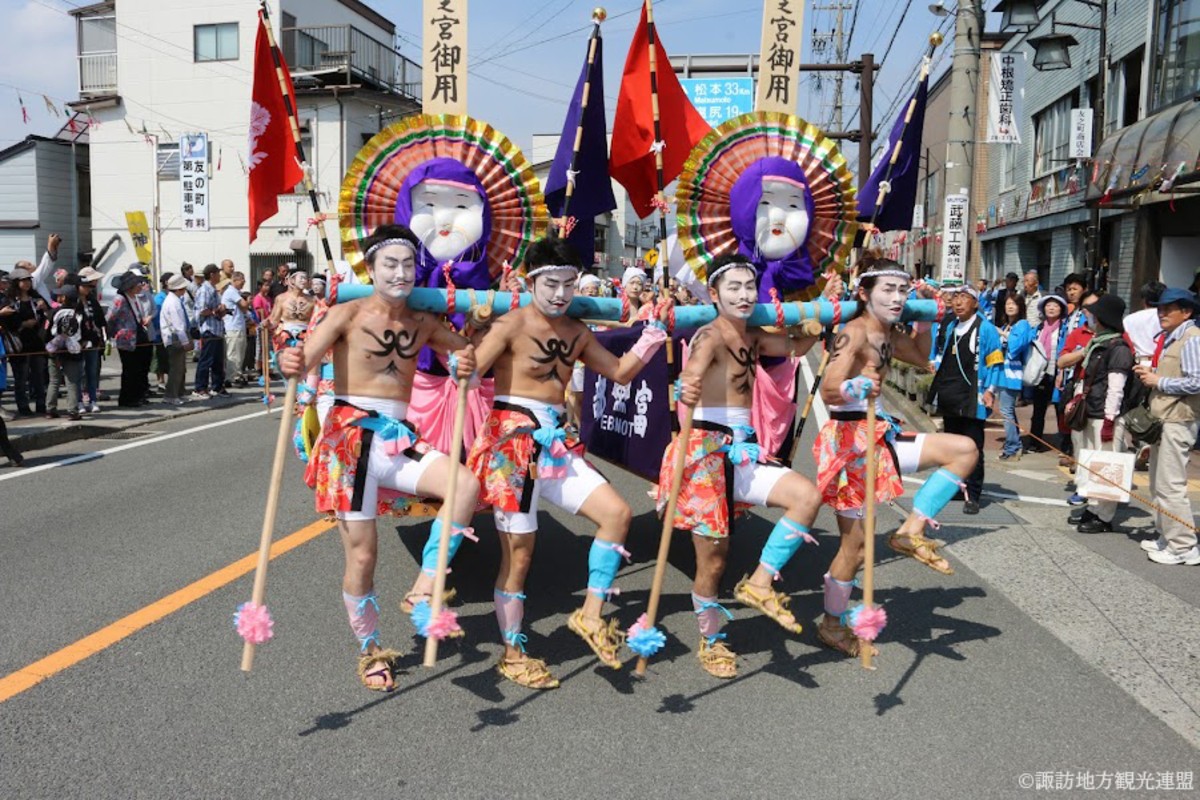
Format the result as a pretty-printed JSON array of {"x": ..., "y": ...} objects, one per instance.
[{"x": 648, "y": 343}]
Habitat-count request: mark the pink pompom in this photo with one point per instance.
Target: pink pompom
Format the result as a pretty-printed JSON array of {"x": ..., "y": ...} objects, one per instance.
[
  {"x": 642, "y": 624},
  {"x": 444, "y": 626},
  {"x": 869, "y": 622},
  {"x": 253, "y": 623}
]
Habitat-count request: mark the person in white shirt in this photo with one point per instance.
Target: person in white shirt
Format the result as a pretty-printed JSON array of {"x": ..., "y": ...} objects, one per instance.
[
  {"x": 177, "y": 338},
  {"x": 235, "y": 328}
]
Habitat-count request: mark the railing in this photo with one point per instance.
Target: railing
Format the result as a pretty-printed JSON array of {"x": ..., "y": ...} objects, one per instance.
[
  {"x": 98, "y": 73},
  {"x": 359, "y": 57}
]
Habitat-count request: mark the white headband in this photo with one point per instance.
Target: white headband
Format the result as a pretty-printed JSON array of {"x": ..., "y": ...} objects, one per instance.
[
  {"x": 533, "y": 273},
  {"x": 387, "y": 243},
  {"x": 886, "y": 273},
  {"x": 731, "y": 265}
]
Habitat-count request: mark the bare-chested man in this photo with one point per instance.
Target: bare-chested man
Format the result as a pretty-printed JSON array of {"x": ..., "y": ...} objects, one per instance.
[
  {"x": 524, "y": 453},
  {"x": 726, "y": 472},
  {"x": 291, "y": 313},
  {"x": 366, "y": 452},
  {"x": 861, "y": 356}
]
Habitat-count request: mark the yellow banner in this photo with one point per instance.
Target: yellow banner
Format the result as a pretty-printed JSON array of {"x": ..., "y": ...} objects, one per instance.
[
  {"x": 779, "y": 56},
  {"x": 444, "y": 77},
  {"x": 139, "y": 232}
]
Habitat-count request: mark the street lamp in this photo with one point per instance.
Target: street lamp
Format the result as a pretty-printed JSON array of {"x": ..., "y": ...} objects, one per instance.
[
  {"x": 1019, "y": 15},
  {"x": 1052, "y": 51}
]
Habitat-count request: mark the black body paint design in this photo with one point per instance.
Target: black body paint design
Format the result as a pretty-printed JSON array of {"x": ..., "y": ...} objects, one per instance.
[
  {"x": 554, "y": 353},
  {"x": 747, "y": 359},
  {"x": 402, "y": 343},
  {"x": 839, "y": 346}
]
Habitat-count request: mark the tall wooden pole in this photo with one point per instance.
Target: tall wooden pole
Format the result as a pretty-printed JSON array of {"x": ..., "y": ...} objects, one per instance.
[{"x": 598, "y": 16}]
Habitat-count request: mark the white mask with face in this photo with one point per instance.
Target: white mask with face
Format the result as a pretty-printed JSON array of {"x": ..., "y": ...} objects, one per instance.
[
  {"x": 781, "y": 220},
  {"x": 447, "y": 217},
  {"x": 393, "y": 271}
]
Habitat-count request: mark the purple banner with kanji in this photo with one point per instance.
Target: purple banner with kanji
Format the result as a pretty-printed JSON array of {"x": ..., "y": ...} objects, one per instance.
[{"x": 630, "y": 424}]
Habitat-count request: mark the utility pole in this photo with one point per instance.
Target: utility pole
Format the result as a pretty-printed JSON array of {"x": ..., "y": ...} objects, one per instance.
[
  {"x": 1095, "y": 275},
  {"x": 960, "y": 141},
  {"x": 839, "y": 57}
]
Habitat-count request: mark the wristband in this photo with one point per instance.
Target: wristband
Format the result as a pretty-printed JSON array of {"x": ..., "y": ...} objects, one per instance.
[{"x": 856, "y": 388}]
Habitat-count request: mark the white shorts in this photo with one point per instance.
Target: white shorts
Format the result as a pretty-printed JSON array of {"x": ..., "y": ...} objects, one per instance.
[
  {"x": 569, "y": 492},
  {"x": 398, "y": 472},
  {"x": 577, "y": 378},
  {"x": 907, "y": 447},
  {"x": 753, "y": 482}
]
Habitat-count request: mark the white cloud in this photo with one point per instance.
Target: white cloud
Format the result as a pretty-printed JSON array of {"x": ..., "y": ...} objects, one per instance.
[{"x": 37, "y": 54}]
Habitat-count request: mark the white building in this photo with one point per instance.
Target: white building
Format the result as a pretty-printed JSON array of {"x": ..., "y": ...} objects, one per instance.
[
  {"x": 152, "y": 70},
  {"x": 44, "y": 190}
]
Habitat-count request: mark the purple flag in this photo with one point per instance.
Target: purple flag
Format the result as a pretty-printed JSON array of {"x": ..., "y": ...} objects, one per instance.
[
  {"x": 897, "y": 212},
  {"x": 593, "y": 189}
]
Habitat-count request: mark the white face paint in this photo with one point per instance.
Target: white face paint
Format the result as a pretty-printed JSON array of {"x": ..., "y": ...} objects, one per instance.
[
  {"x": 553, "y": 291},
  {"x": 447, "y": 217},
  {"x": 736, "y": 293},
  {"x": 886, "y": 299},
  {"x": 394, "y": 272},
  {"x": 299, "y": 280},
  {"x": 781, "y": 220}
]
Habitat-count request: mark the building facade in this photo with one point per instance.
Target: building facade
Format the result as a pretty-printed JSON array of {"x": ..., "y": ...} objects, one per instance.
[
  {"x": 152, "y": 71},
  {"x": 1040, "y": 212},
  {"x": 44, "y": 189}
]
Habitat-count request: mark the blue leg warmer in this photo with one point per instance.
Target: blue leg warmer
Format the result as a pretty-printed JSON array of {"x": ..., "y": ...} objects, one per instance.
[
  {"x": 603, "y": 561},
  {"x": 936, "y": 492},
  {"x": 785, "y": 539},
  {"x": 429, "y": 555}
]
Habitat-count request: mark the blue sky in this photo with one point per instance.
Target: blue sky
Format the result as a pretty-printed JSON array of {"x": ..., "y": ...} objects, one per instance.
[{"x": 526, "y": 54}]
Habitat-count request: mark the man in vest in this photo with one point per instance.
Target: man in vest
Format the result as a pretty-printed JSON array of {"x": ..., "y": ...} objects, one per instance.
[
  {"x": 1174, "y": 380},
  {"x": 965, "y": 384}
]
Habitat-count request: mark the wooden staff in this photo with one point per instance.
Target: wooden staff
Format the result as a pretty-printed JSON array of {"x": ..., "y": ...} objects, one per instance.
[
  {"x": 664, "y": 260},
  {"x": 264, "y": 335},
  {"x": 439, "y": 580},
  {"x": 268, "y": 527},
  {"x": 668, "y": 525},
  {"x": 869, "y": 530},
  {"x": 598, "y": 16},
  {"x": 285, "y": 422}
]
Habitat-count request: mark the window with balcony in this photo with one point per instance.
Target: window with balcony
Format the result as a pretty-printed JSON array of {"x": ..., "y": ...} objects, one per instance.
[
  {"x": 97, "y": 55},
  {"x": 1052, "y": 135},
  {"x": 216, "y": 42},
  {"x": 1176, "y": 63}
]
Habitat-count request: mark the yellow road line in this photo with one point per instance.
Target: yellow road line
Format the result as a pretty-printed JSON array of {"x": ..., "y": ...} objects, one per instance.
[{"x": 14, "y": 683}]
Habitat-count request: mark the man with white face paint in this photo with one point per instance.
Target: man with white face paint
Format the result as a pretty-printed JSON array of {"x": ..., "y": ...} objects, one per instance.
[
  {"x": 291, "y": 312},
  {"x": 861, "y": 356},
  {"x": 524, "y": 453},
  {"x": 726, "y": 471},
  {"x": 367, "y": 454}
]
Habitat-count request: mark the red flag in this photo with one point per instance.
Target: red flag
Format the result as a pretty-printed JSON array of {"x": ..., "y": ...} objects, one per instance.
[
  {"x": 274, "y": 167},
  {"x": 632, "y": 160}
]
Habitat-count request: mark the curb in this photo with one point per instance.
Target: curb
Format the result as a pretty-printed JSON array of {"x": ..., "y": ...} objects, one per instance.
[{"x": 41, "y": 440}]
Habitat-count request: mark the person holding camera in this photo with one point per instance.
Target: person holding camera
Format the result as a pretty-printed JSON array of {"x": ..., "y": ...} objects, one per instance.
[
  {"x": 210, "y": 313},
  {"x": 1173, "y": 377}
]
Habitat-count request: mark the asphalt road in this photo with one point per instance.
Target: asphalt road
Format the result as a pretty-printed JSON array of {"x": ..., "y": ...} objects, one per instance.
[{"x": 1044, "y": 653}]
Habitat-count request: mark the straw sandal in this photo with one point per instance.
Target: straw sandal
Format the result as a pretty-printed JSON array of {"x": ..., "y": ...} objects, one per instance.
[
  {"x": 922, "y": 549},
  {"x": 528, "y": 672},
  {"x": 838, "y": 637},
  {"x": 773, "y": 604},
  {"x": 603, "y": 637},
  {"x": 412, "y": 598},
  {"x": 717, "y": 659},
  {"x": 385, "y": 673}
]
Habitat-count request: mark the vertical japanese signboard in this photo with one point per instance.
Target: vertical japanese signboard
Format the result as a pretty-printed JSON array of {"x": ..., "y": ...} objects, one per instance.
[
  {"x": 779, "y": 56},
  {"x": 954, "y": 239},
  {"x": 193, "y": 181},
  {"x": 1004, "y": 98},
  {"x": 1081, "y": 133},
  {"x": 445, "y": 69}
]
